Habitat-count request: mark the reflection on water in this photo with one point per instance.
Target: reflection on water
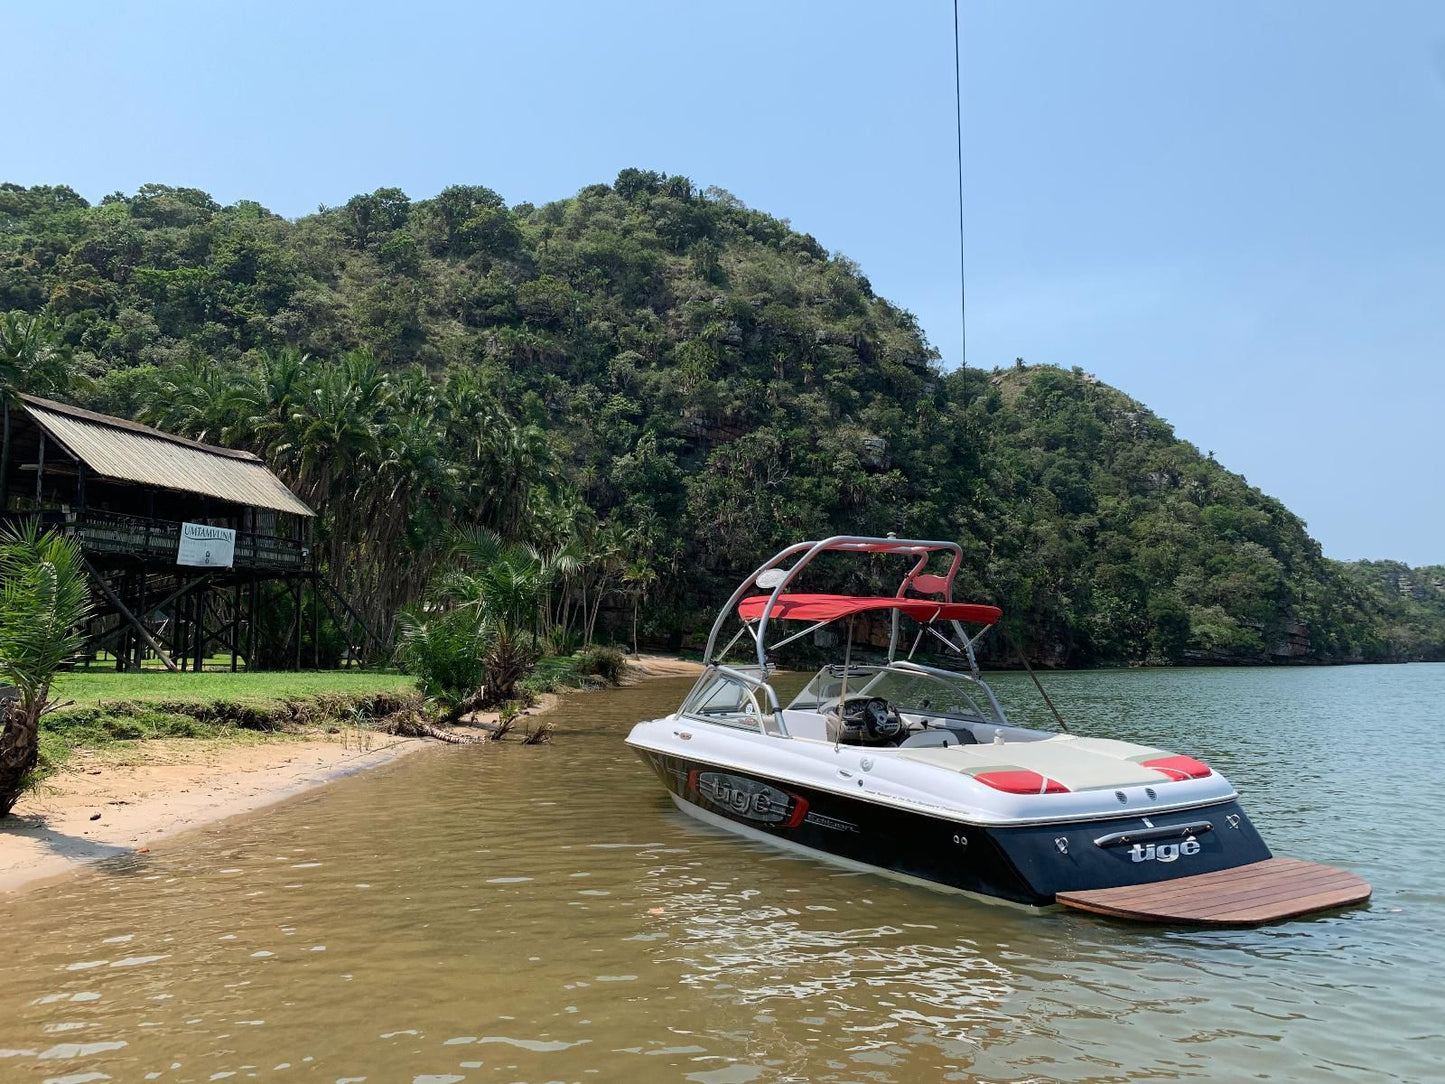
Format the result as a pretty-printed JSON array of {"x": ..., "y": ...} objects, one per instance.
[{"x": 544, "y": 914}]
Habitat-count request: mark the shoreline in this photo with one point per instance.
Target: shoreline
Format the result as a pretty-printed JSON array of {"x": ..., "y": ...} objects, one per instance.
[
  {"x": 113, "y": 802},
  {"x": 107, "y": 805}
]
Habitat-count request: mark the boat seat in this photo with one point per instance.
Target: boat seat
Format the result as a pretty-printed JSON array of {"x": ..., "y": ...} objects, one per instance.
[
  {"x": 807, "y": 724},
  {"x": 1073, "y": 762}
]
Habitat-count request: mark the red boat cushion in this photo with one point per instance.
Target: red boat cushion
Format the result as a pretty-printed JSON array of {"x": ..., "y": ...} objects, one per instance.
[
  {"x": 1021, "y": 782},
  {"x": 1178, "y": 767}
]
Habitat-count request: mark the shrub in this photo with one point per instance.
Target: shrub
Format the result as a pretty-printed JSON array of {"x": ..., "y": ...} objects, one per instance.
[
  {"x": 538, "y": 683},
  {"x": 559, "y": 641},
  {"x": 608, "y": 663},
  {"x": 44, "y": 601},
  {"x": 444, "y": 651},
  {"x": 125, "y": 729}
]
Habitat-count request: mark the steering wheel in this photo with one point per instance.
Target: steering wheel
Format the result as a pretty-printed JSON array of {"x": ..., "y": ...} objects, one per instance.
[{"x": 874, "y": 716}]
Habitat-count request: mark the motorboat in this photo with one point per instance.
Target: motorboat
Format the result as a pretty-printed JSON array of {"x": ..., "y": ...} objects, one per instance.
[{"x": 901, "y": 760}]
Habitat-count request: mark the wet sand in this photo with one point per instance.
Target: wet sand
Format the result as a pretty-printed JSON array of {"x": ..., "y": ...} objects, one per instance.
[
  {"x": 121, "y": 799},
  {"x": 643, "y": 667},
  {"x": 112, "y": 802}
]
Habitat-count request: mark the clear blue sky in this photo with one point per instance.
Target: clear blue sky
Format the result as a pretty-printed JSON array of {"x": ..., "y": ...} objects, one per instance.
[{"x": 1233, "y": 210}]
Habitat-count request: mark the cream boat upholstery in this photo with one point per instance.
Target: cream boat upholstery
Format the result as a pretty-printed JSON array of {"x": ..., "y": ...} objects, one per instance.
[{"x": 1077, "y": 763}]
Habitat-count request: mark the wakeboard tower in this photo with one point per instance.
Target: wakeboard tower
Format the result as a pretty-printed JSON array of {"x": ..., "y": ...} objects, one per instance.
[{"x": 913, "y": 769}]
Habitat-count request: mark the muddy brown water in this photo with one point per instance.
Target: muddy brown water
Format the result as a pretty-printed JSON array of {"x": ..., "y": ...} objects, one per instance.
[{"x": 535, "y": 914}]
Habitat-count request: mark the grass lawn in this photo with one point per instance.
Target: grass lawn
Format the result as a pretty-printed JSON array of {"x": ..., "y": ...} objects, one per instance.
[{"x": 89, "y": 688}]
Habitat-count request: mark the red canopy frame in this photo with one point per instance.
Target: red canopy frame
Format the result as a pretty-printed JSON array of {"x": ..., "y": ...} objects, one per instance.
[
  {"x": 755, "y": 611},
  {"x": 833, "y": 607}
]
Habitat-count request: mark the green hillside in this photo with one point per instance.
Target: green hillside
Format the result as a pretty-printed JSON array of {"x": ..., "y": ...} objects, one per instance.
[{"x": 672, "y": 385}]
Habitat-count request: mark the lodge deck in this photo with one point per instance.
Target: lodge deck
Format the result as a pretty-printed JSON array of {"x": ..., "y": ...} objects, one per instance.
[
  {"x": 1268, "y": 891},
  {"x": 148, "y": 540}
]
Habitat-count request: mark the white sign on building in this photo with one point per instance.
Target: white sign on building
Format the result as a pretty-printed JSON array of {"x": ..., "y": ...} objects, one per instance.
[{"x": 201, "y": 544}]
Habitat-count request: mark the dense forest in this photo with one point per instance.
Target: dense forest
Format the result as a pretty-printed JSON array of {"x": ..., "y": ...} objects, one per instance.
[{"x": 655, "y": 386}]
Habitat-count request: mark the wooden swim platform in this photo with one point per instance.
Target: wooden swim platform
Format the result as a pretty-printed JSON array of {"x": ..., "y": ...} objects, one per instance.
[{"x": 1250, "y": 895}]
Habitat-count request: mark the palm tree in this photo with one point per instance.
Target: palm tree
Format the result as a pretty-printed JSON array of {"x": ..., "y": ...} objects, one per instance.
[
  {"x": 44, "y": 600},
  {"x": 639, "y": 576},
  {"x": 269, "y": 399},
  {"x": 35, "y": 359},
  {"x": 198, "y": 399},
  {"x": 564, "y": 565},
  {"x": 522, "y": 459},
  {"x": 443, "y": 651},
  {"x": 337, "y": 433},
  {"x": 33, "y": 356},
  {"x": 502, "y": 585},
  {"x": 392, "y": 462},
  {"x": 609, "y": 549}
]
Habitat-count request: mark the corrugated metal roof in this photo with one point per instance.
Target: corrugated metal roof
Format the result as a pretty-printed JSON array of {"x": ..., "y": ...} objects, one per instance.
[{"x": 130, "y": 452}]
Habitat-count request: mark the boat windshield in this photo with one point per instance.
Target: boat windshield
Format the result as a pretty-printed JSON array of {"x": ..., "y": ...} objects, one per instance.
[
  {"x": 913, "y": 691},
  {"x": 720, "y": 697}
]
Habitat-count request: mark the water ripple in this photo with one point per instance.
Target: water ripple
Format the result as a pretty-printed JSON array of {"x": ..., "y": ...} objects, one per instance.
[{"x": 442, "y": 916}]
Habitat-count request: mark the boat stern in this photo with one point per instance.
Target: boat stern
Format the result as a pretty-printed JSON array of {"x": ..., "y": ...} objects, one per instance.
[{"x": 1130, "y": 850}]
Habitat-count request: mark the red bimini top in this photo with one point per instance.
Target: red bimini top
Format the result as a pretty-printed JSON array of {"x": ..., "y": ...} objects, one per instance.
[{"x": 832, "y": 607}]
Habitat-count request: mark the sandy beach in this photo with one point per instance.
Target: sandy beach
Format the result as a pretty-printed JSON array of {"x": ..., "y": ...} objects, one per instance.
[
  {"x": 107, "y": 804},
  {"x": 645, "y": 667},
  {"x": 122, "y": 799}
]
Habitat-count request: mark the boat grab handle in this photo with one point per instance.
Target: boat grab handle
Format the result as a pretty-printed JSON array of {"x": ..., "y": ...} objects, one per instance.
[{"x": 1144, "y": 835}]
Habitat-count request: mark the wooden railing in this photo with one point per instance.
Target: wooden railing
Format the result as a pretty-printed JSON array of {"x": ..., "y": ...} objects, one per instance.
[{"x": 159, "y": 540}]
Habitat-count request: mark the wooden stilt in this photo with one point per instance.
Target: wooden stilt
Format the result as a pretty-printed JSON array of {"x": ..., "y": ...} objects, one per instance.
[
  {"x": 183, "y": 632},
  {"x": 200, "y": 635},
  {"x": 235, "y": 621},
  {"x": 139, "y": 657},
  {"x": 251, "y": 628},
  {"x": 115, "y": 601},
  {"x": 122, "y": 644},
  {"x": 315, "y": 625},
  {"x": 297, "y": 616}
]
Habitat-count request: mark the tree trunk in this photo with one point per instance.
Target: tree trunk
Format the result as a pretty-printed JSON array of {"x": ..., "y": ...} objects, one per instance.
[
  {"x": 5, "y": 464},
  {"x": 508, "y": 659},
  {"x": 19, "y": 751},
  {"x": 596, "y": 610}
]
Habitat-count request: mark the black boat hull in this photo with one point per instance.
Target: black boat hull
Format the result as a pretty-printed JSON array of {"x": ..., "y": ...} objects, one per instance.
[{"x": 1026, "y": 864}]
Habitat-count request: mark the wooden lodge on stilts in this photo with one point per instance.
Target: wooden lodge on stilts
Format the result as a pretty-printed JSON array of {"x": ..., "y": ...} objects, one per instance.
[{"x": 188, "y": 545}]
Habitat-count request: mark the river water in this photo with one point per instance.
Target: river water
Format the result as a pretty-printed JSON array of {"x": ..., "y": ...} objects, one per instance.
[{"x": 535, "y": 914}]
